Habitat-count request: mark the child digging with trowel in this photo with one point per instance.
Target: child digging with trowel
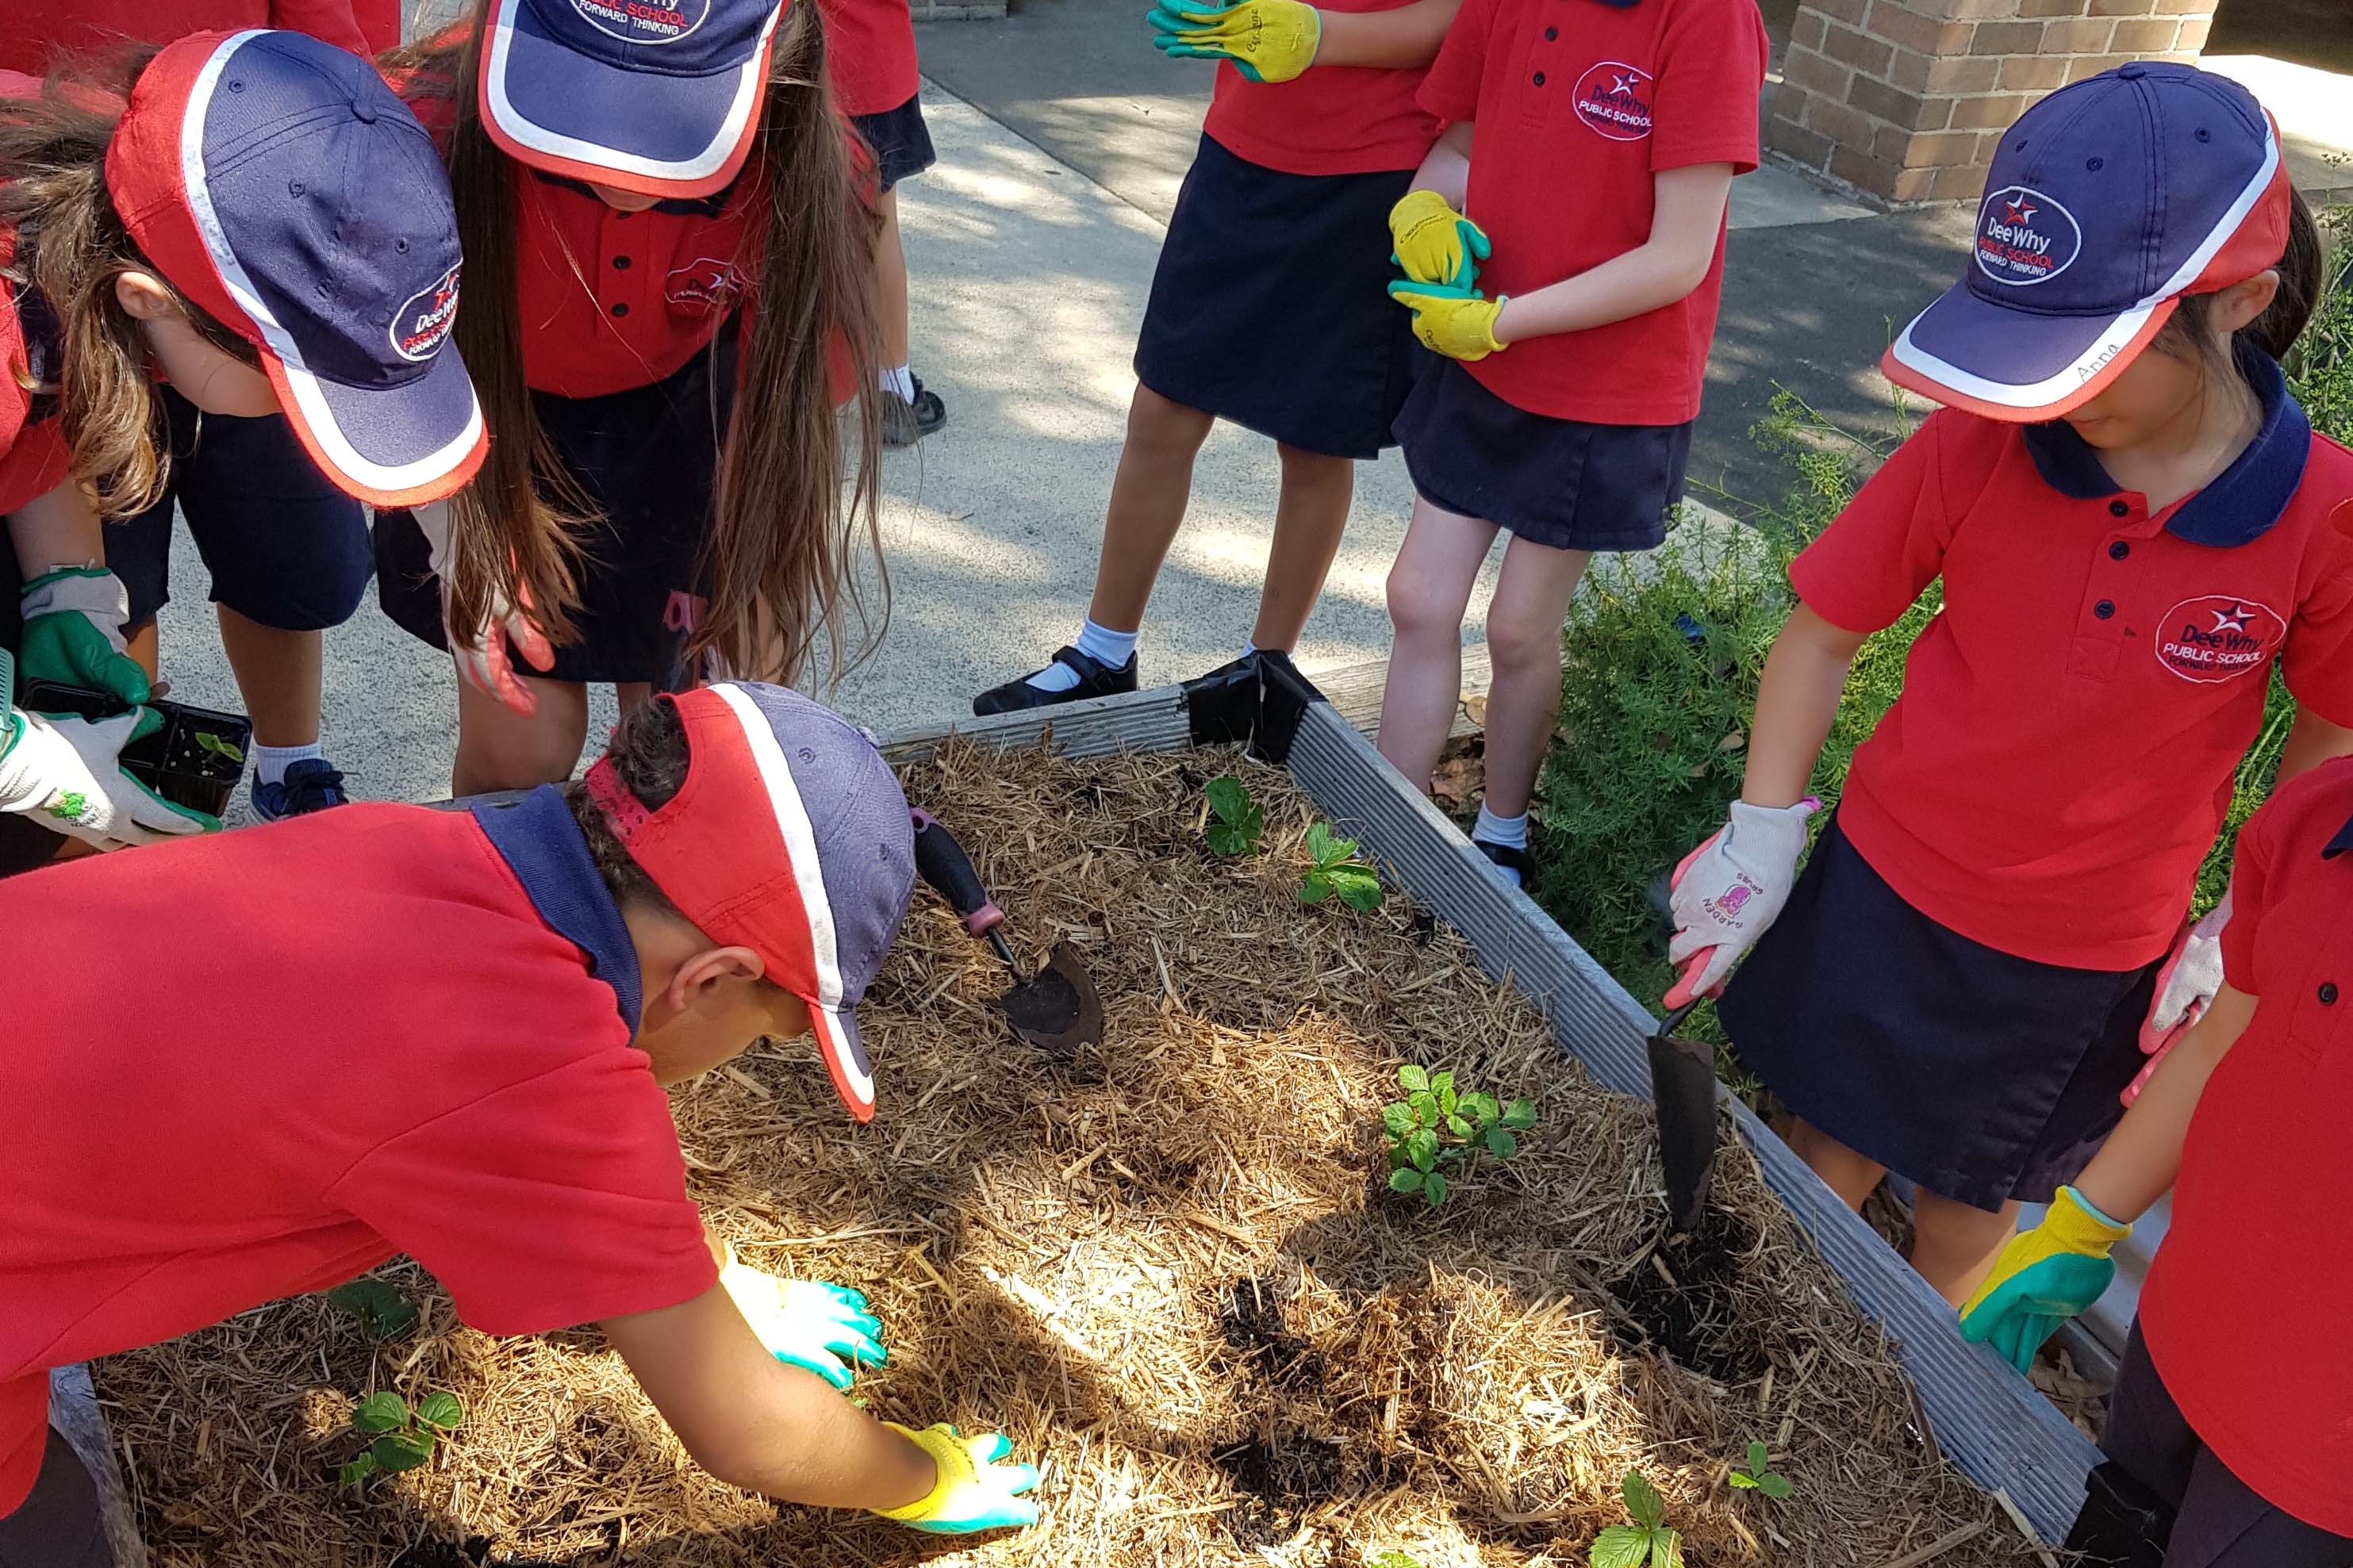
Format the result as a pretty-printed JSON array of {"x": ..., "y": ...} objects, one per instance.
[{"x": 252, "y": 1066}]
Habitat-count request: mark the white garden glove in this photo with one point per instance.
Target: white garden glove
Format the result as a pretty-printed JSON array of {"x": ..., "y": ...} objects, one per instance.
[
  {"x": 73, "y": 619},
  {"x": 66, "y": 774},
  {"x": 823, "y": 1328},
  {"x": 1729, "y": 889},
  {"x": 2185, "y": 988},
  {"x": 480, "y": 652}
]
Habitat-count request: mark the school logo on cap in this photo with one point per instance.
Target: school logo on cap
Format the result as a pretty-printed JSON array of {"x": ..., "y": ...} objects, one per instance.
[
  {"x": 422, "y": 325},
  {"x": 2025, "y": 238},
  {"x": 1614, "y": 100},
  {"x": 644, "y": 21},
  {"x": 2216, "y": 637}
]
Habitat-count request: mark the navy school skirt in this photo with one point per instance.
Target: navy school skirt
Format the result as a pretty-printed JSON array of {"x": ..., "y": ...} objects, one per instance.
[
  {"x": 1271, "y": 306},
  {"x": 648, "y": 458},
  {"x": 1557, "y": 482},
  {"x": 1981, "y": 1076},
  {"x": 902, "y": 141}
]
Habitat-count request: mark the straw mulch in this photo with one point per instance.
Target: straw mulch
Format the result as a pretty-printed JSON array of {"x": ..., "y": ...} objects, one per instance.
[{"x": 1172, "y": 1274}]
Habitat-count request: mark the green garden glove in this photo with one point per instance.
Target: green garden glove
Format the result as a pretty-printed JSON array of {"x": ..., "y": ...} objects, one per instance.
[
  {"x": 66, "y": 774},
  {"x": 2044, "y": 1278},
  {"x": 73, "y": 633},
  {"x": 975, "y": 1492},
  {"x": 1434, "y": 243},
  {"x": 822, "y": 1328},
  {"x": 1268, "y": 40}
]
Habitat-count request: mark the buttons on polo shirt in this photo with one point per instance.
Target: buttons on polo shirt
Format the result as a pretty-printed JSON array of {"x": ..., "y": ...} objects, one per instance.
[
  {"x": 2119, "y": 550},
  {"x": 2120, "y": 508},
  {"x": 620, "y": 264},
  {"x": 1550, "y": 33},
  {"x": 1539, "y": 79},
  {"x": 2105, "y": 609},
  {"x": 620, "y": 309},
  {"x": 2329, "y": 993}
]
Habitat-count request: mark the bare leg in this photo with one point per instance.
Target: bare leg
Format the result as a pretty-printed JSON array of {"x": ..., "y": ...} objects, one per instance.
[
  {"x": 280, "y": 673},
  {"x": 1308, "y": 518},
  {"x": 1523, "y": 626},
  {"x": 1954, "y": 1245},
  {"x": 1429, "y": 590},
  {"x": 1850, "y": 1176},
  {"x": 145, "y": 647},
  {"x": 1147, "y": 505},
  {"x": 890, "y": 283},
  {"x": 500, "y": 749}
]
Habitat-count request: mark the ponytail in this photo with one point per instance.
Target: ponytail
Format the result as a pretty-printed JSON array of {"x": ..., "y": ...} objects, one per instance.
[{"x": 2190, "y": 332}]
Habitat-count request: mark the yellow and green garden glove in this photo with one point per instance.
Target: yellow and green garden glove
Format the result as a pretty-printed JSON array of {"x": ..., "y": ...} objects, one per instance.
[
  {"x": 976, "y": 1491},
  {"x": 2044, "y": 1276},
  {"x": 1457, "y": 323},
  {"x": 1434, "y": 243},
  {"x": 1268, "y": 40}
]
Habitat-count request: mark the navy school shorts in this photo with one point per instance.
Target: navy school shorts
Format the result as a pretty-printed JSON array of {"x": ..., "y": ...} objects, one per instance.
[
  {"x": 1981, "y": 1076},
  {"x": 1557, "y": 482},
  {"x": 902, "y": 141},
  {"x": 1271, "y": 307},
  {"x": 648, "y": 458}
]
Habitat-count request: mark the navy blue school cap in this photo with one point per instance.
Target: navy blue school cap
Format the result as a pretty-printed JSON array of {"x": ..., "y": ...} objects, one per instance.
[
  {"x": 2108, "y": 201},
  {"x": 279, "y": 183},
  {"x": 661, "y": 98}
]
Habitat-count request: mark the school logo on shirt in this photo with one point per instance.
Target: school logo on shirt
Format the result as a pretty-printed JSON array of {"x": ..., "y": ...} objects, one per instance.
[
  {"x": 644, "y": 21},
  {"x": 2217, "y": 637},
  {"x": 704, "y": 286},
  {"x": 1614, "y": 99},
  {"x": 423, "y": 322},
  {"x": 2024, "y": 238}
]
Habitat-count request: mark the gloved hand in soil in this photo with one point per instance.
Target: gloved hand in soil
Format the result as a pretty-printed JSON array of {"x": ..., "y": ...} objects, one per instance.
[
  {"x": 1729, "y": 889},
  {"x": 1434, "y": 243},
  {"x": 73, "y": 633},
  {"x": 822, "y": 1328},
  {"x": 1268, "y": 40},
  {"x": 2044, "y": 1278},
  {"x": 2185, "y": 989},
  {"x": 479, "y": 652},
  {"x": 976, "y": 1491}
]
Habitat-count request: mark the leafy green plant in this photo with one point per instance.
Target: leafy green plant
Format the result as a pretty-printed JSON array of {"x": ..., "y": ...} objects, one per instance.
[
  {"x": 1437, "y": 1128},
  {"x": 1240, "y": 821},
  {"x": 400, "y": 1438},
  {"x": 1335, "y": 868},
  {"x": 1396, "y": 1559},
  {"x": 381, "y": 1311},
  {"x": 1759, "y": 1477},
  {"x": 229, "y": 751},
  {"x": 1647, "y": 1539}
]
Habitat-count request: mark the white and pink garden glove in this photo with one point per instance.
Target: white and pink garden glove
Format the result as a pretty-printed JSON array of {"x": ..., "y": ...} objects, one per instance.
[
  {"x": 2185, "y": 989},
  {"x": 1729, "y": 889}
]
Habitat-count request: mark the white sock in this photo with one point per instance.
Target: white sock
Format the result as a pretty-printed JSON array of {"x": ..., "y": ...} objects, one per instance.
[
  {"x": 1508, "y": 832},
  {"x": 1248, "y": 647},
  {"x": 1107, "y": 648},
  {"x": 901, "y": 381},
  {"x": 269, "y": 763}
]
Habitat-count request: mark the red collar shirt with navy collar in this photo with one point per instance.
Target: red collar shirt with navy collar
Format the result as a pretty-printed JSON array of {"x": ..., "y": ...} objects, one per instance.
[
  {"x": 2063, "y": 751},
  {"x": 1579, "y": 105},
  {"x": 36, "y": 36},
  {"x": 2264, "y": 1171}
]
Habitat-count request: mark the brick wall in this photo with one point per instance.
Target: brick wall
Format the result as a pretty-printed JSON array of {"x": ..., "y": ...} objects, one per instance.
[{"x": 1905, "y": 99}]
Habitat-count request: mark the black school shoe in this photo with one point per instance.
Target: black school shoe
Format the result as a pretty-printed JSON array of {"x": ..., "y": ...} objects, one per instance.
[
  {"x": 1095, "y": 679},
  {"x": 1510, "y": 857},
  {"x": 905, "y": 421}
]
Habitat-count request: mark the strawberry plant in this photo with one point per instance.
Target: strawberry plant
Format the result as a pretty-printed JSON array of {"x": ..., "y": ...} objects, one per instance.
[
  {"x": 1647, "y": 1539},
  {"x": 1759, "y": 1478},
  {"x": 1239, "y": 820},
  {"x": 381, "y": 1311},
  {"x": 1437, "y": 1128},
  {"x": 400, "y": 1438},
  {"x": 1336, "y": 869}
]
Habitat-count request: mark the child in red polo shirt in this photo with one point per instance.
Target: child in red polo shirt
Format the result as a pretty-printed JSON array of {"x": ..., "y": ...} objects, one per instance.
[
  {"x": 1266, "y": 308},
  {"x": 1562, "y": 410},
  {"x": 2234, "y": 1408},
  {"x": 480, "y": 1088},
  {"x": 2130, "y": 517},
  {"x": 148, "y": 177},
  {"x": 671, "y": 263}
]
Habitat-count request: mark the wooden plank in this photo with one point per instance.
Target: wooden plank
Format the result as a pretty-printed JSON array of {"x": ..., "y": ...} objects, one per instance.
[{"x": 1355, "y": 689}]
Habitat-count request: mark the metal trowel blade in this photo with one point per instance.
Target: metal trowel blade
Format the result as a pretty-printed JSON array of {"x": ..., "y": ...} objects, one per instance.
[{"x": 1058, "y": 1011}]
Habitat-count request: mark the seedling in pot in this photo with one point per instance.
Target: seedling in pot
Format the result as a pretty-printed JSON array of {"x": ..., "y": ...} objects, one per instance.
[
  {"x": 400, "y": 1438},
  {"x": 381, "y": 1311},
  {"x": 1438, "y": 1129},
  {"x": 1336, "y": 869},
  {"x": 1647, "y": 1539},
  {"x": 1759, "y": 1478},
  {"x": 1239, "y": 820}
]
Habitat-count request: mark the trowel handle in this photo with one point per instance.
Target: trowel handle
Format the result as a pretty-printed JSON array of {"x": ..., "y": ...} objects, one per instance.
[{"x": 944, "y": 865}]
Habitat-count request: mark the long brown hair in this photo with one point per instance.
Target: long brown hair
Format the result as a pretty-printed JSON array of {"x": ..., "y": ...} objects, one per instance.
[
  {"x": 70, "y": 247},
  {"x": 782, "y": 554}
]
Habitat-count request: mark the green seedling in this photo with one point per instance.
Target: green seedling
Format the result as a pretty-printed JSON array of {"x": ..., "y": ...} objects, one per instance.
[
  {"x": 1647, "y": 1539},
  {"x": 381, "y": 1311},
  {"x": 229, "y": 751},
  {"x": 1758, "y": 1478},
  {"x": 1336, "y": 869},
  {"x": 1240, "y": 821},
  {"x": 400, "y": 1438},
  {"x": 1437, "y": 1128},
  {"x": 1396, "y": 1559}
]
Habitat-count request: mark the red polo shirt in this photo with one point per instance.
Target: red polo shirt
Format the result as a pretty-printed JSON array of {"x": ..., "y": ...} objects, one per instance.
[
  {"x": 376, "y": 1030},
  {"x": 1579, "y": 104},
  {"x": 34, "y": 458},
  {"x": 2261, "y": 1198},
  {"x": 869, "y": 49},
  {"x": 1331, "y": 120},
  {"x": 35, "y": 35},
  {"x": 2061, "y": 756}
]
